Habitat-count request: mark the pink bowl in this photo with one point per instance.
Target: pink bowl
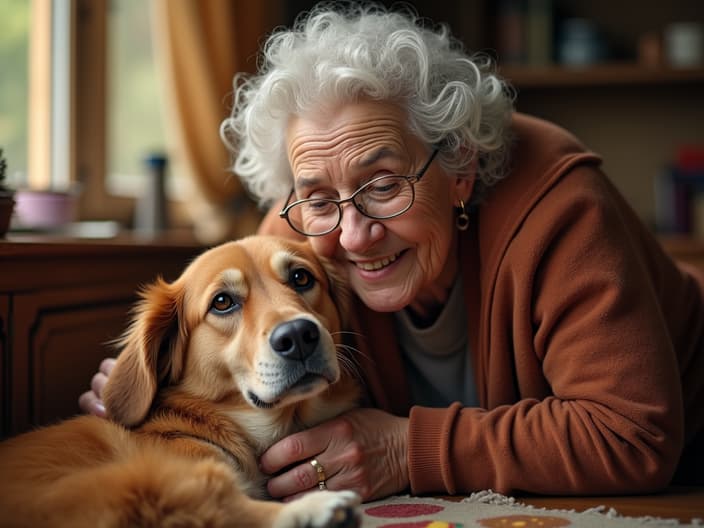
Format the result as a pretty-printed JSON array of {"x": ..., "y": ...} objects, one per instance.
[{"x": 45, "y": 209}]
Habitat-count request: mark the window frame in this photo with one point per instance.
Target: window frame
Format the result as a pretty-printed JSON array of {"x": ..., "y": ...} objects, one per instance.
[
  {"x": 70, "y": 128},
  {"x": 89, "y": 114}
]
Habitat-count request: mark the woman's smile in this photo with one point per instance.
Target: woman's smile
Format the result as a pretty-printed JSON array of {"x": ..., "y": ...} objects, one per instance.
[{"x": 375, "y": 265}]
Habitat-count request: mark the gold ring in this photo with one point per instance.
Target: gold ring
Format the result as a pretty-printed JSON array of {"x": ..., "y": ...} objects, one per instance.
[{"x": 321, "y": 473}]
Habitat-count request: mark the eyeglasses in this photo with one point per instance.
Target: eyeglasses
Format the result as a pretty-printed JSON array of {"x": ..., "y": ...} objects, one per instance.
[{"x": 381, "y": 198}]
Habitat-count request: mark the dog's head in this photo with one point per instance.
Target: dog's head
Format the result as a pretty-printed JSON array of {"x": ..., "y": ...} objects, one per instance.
[{"x": 255, "y": 321}]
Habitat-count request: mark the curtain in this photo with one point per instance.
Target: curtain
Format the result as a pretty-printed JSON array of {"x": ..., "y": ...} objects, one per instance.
[{"x": 200, "y": 45}]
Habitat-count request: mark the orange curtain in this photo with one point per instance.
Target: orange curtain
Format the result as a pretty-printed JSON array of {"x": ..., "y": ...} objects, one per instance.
[{"x": 200, "y": 45}]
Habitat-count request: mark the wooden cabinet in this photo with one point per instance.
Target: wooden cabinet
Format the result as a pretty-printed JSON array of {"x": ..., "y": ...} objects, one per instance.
[{"x": 61, "y": 304}]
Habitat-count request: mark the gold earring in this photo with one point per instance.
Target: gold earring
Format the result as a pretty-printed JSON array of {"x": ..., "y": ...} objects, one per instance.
[{"x": 462, "y": 220}]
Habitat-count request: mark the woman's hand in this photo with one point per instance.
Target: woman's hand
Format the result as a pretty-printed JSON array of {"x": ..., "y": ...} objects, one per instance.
[
  {"x": 90, "y": 402},
  {"x": 363, "y": 450}
]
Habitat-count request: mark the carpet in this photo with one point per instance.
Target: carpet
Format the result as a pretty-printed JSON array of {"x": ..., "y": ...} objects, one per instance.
[{"x": 487, "y": 509}]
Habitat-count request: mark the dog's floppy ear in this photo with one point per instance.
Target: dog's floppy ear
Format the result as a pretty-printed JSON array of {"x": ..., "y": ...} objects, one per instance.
[{"x": 152, "y": 354}]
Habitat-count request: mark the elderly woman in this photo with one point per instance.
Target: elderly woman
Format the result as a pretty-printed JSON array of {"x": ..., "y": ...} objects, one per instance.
[{"x": 517, "y": 327}]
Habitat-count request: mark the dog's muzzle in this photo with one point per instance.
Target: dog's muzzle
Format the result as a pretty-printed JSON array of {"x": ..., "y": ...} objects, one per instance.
[{"x": 307, "y": 362}]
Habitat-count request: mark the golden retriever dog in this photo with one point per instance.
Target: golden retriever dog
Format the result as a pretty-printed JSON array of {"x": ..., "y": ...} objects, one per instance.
[{"x": 241, "y": 350}]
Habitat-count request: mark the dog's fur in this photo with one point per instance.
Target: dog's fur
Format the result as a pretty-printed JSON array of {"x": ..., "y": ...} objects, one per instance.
[{"x": 240, "y": 351}]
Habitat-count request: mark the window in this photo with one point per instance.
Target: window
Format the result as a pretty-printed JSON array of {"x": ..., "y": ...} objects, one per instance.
[
  {"x": 96, "y": 111},
  {"x": 135, "y": 123},
  {"x": 80, "y": 99},
  {"x": 118, "y": 108},
  {"x": 14, "y": 86}
]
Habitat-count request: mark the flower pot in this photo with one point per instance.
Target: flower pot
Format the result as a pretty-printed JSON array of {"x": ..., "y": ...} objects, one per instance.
[
  {"x": 7, "y": 205},
  {"x": 44, "y": 209}
]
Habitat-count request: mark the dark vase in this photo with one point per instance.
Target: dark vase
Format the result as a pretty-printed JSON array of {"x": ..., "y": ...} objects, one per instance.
[{"x": 7, "y": 205}]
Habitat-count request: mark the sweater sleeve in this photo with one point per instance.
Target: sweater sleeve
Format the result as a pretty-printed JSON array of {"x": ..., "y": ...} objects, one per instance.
[{"x": 583, "y": 392}]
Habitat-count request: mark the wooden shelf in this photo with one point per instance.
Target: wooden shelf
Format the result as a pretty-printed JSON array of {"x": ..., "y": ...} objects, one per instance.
[
  {"x": 608, "y": 74},
  {"x": 685, "y": 248}
]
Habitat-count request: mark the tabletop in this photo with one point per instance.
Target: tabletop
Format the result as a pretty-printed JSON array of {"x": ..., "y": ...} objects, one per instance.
[{"x": 683, "y": 503}]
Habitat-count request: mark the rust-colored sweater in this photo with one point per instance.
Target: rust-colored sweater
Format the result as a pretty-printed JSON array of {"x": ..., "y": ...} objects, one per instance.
[{"x": 587, "y": 341}]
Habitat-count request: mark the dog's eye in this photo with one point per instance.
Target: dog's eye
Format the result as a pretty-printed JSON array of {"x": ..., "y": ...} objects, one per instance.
[
  {"x": 301, "y": 279},
  {"x": 223, "y": 303}
]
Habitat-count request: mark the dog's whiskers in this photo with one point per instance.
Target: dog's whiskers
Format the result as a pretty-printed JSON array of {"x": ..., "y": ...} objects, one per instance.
[
  {"x": 348, "y": 347},
  {"x": 348, "y": 361}
]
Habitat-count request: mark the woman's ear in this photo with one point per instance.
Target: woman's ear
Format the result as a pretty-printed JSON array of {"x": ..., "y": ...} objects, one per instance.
[
  {"x": 152, "y": 353},
  {"x": 464, "y": 187},
  {"x": 464, "y": 183}
]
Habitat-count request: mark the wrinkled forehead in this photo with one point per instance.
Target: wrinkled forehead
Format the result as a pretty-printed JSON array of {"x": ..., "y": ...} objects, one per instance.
[{"x": 351, "y": 134}]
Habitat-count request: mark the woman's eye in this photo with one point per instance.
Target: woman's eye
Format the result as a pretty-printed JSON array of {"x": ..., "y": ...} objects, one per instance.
[
  {"x": 385, "y": 187},
  {"x": 319, "y": 207},
  {"x": 301, "y": 279},
  {"x": 223, "y": 303}
]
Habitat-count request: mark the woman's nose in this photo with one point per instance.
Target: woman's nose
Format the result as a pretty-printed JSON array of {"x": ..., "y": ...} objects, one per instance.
[{"x": 358, "y": 232}]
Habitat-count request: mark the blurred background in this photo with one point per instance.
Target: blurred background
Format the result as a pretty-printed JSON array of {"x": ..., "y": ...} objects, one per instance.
[{"x": 114, "y": 105}]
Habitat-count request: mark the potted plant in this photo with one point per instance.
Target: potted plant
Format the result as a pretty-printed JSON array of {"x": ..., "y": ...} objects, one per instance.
[{"x": 7, "y": 197}]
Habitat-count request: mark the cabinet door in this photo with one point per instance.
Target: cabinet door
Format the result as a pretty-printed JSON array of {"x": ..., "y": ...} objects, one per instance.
[
  {"x": 59, "y": 338},
  {"x": 4, "y": 362}
]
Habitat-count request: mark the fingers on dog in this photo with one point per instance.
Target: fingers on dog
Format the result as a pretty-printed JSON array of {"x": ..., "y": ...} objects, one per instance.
[{"x": 107, "y": 365}]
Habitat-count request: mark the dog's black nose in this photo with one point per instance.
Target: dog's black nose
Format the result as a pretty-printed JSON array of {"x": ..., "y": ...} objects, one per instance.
[{"x": 295, "y": 339}]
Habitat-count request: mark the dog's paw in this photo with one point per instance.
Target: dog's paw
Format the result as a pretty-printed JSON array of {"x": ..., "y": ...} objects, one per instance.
[{"x": 321, "y": 509}]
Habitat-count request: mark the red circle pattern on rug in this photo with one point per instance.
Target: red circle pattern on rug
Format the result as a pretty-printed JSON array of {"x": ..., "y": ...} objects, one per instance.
[
  {"x": 391, "y": 511},
  {"x": 412, "y": 524}
]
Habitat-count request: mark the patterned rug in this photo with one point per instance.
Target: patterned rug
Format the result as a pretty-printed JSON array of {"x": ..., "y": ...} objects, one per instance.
[{"x": 488, "y": 509}]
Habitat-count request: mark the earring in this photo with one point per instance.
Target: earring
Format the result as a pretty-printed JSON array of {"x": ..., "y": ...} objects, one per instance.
[{"x": 462, "y": 220}]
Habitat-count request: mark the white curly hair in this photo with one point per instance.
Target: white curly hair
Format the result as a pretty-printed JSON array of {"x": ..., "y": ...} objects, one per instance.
[{"x": 333, "y": 55}]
